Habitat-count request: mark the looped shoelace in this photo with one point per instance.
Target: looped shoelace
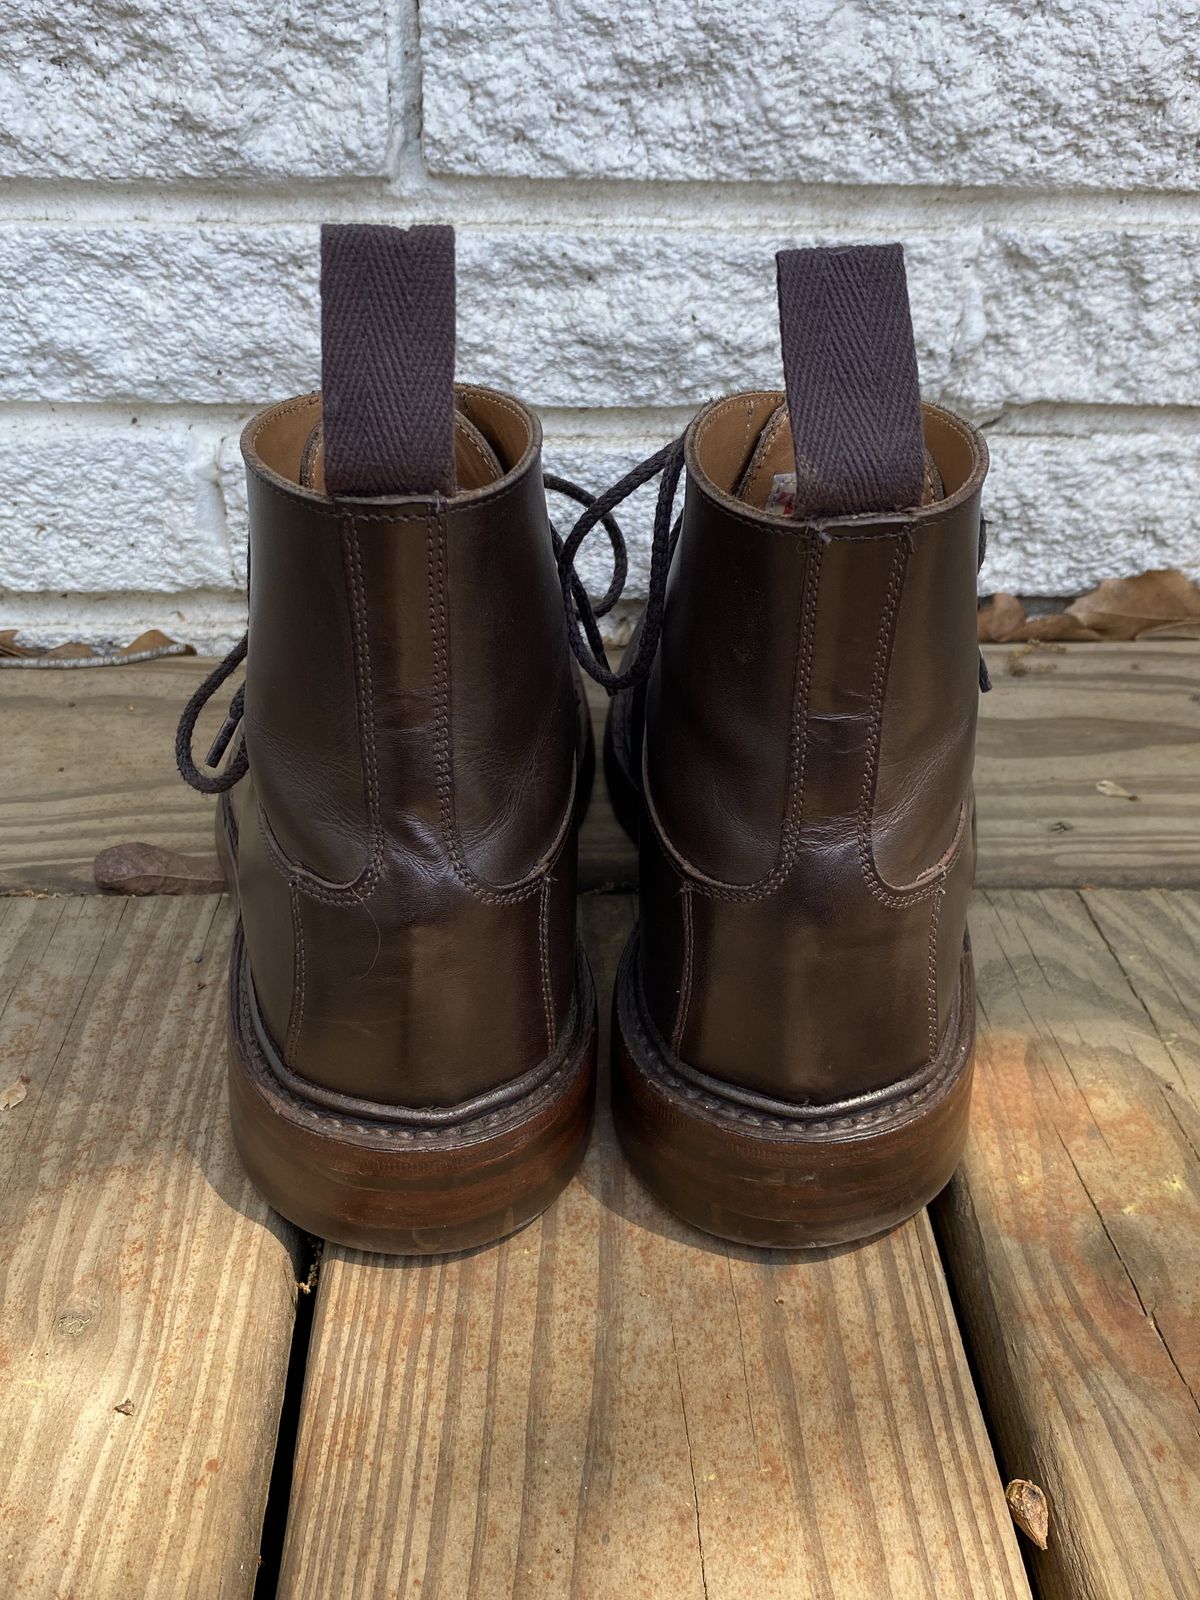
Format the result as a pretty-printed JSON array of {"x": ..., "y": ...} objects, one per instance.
[
  {"x": 213, "y": 782},
  {"x": 583, "y": 614},
  {"x": 583, "y": 627}
]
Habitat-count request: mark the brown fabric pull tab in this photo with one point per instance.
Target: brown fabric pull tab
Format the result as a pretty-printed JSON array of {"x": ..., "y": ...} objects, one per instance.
[
  {"x": 850, "y": 368},
  {"x": 387, "y": 359}
]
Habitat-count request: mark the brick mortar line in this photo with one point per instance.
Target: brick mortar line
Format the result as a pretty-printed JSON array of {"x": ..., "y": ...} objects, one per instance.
[{"x": 529, "y": 205}]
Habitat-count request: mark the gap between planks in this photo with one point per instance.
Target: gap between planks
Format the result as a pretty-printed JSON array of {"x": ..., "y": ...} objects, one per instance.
[
  {"x": 611, "y": 1404},
  {"x": 1071, "y": 1231},
  {"x": 733, "y": 1423},
  {"x": 136, "y": 1262}
]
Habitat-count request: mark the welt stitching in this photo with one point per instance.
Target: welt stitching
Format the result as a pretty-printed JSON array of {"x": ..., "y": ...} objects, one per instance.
[
  {"x": 544, "y": 959},
  {"x": 712, "y": 414},
  {"x": 439, "y": 629},
  {"x": 931, "y": 979},
  {"x": 891, "y": 897},
  {"x": 943, "y": 1071},
  {"x": 330, "y": 510},
  {"x": 304, "y": 402},
  {"x": 297, "y": 1014},
  {"x": 364, "y": 884},
  {"x": 712, "y": 888},
  {"x": 495, "y": 397},
  {"x": 800, "y": 696},
  {"x": 313, "y": 888},
  {"x": 364, "y": 706},
  {"x": 322, "y": 1119},
  {"x": 784, "y": 528},
  {"x": 685, "y": 986},
  {"x": 362, "y": 666}
]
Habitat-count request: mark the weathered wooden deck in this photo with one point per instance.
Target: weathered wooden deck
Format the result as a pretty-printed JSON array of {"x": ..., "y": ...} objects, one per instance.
[{"x": 608, "y": 1404}]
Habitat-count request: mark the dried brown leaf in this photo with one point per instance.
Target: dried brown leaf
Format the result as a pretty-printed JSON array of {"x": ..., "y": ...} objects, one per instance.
[
  {"x": 75, "y": 651},
  {"x": 125, "y": 1408},
  {"x": 1058, "y": 627},
  {"x": 1124, "y": 608},
  {"x": 1172, "y": 630},
  {"x": 1030, "y": 1510},
  {"x": 152, "y": 639},
  {"x": 136, "y": 868},
  {"x": 10, "y": 647},
  {"x": 15, "y": 1093},
  {"x": 1001, "y": 620}
]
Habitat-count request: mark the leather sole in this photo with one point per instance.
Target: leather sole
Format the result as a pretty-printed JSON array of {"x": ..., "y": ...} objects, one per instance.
[
  {"x": 812, "y": 1176},
  {"x": 376, "y": 1182}
]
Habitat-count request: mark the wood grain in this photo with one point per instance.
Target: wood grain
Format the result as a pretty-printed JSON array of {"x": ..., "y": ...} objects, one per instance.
[
  {"x": 89, "y": 762},
  {"x": 1072, "y": 1231},
  {"x": 136, "y": 1264},
  {"x": 609, "y": 1404},
  {"x": 1060, "y": 720}
]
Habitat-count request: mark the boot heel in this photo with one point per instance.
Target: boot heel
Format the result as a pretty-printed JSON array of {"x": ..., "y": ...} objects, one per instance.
[
  {"x": 369, "y": 1179},
  {"x": 821, "y": 1176}
]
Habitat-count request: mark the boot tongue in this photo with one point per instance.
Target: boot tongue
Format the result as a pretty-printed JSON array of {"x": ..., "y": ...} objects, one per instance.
[
  {"x": 769, "y": 481},
  {"x": 475, "y": 462}
]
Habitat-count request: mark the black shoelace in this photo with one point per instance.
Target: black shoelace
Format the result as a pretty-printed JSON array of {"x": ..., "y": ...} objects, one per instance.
[{"x": 583, "y": 614}]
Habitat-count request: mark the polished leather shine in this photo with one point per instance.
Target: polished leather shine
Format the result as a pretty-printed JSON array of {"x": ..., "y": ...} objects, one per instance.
[
  {"x": 405, "y": 837},
  {"x": 808, "y": 832}
]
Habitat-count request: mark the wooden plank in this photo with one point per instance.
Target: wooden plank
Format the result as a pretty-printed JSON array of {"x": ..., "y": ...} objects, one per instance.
[
  {"x": 1072, "y": 1231},
  {"x": 609, "y": 1404},
  {"x": 1067, "y": 719},
  {"x": 136, "y": 1264},
  {"x": 89, "y": 762}
]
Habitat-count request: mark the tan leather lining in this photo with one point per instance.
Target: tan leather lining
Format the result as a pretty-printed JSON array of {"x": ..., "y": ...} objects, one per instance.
[
  {"x": 742, "y": 442},
  {"x": 475, "y": 463},
  {"x": 493, "y": 436},
  {"x": 773, "y": 457}
]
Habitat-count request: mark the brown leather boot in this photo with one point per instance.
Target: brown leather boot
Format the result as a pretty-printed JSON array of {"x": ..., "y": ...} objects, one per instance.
[
  {"x": 412, "y": 1025},
  {"x": 795, "y": 1015}
]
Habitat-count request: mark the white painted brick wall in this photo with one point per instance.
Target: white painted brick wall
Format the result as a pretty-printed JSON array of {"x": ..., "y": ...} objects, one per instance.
[{"x": 620, "y": 176}]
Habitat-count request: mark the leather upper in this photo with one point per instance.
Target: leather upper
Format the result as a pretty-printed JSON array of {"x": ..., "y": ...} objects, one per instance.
[
  {"x": 808, "y": 847},
  {"x": 406, "y": 832}
]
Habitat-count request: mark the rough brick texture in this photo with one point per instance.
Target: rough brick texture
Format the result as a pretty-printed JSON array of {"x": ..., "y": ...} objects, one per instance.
[
  {"x": 155, "y": 89},
  {"x": 1066, "y": 93},
  {"x": 227, "y": 315},
  {"x": 620, "y": 176}
]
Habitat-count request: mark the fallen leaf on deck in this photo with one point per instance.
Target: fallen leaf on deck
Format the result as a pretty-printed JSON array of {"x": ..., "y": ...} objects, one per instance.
[
  {"x": 151, "y": 643},
  {"x": 148, "y": 869},
  {"x": 1058, "y": 627},
  {"x": 10, "y": 647},
  {"x": 1030, "y": 1509},
  {"x": 75, "y": 651},
  {"x": 15, "y": 1093},
  {"x": 1001, "y": 620},
  {"x": 1162, "y": 604},
  {"x": 152, "y": 639},
  {"x": 1114, "y": 790},
  {"x": 1124, "y": 608},
  {"x": 125, "y": 1408},
  {"x": 1172, "y": 630}
]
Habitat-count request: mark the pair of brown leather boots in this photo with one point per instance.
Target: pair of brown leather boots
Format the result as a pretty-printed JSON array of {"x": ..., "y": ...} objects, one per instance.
[{"x": 412, "y": 1022}]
